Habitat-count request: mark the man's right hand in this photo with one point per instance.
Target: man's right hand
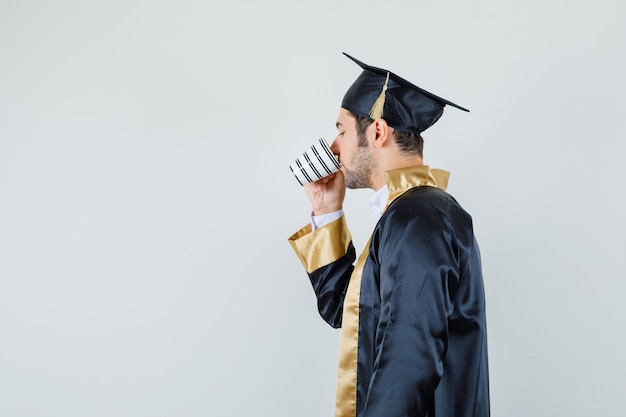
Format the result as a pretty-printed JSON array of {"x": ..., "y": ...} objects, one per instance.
[{"x": 327, "y": 194}]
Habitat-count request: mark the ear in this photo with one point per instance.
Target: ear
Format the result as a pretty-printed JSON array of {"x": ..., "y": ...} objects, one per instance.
[{"x": 382, "y": 132}]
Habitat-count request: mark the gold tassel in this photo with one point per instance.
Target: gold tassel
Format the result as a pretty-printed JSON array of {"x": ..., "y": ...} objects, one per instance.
[{"x": 377, "y": 109}]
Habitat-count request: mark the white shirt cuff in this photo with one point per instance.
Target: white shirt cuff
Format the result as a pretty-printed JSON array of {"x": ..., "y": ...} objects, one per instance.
[{"x": 324, "y": 219}]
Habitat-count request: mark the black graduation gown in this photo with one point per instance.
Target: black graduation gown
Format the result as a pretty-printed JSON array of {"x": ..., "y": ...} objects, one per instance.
[{"x": 412, "y": 310}]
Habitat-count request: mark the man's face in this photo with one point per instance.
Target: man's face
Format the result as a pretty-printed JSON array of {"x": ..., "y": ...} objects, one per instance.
[{"x": 355, "y": 156}]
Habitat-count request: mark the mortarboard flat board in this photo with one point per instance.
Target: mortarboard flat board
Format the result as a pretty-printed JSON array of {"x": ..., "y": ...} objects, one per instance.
[{"x": 380, "y": 93}]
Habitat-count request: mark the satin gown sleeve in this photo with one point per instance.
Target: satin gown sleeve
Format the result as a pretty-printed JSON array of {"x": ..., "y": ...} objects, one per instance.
[
  {"x": 429, "y": 302},
  {"x": 327, "y": 255}
]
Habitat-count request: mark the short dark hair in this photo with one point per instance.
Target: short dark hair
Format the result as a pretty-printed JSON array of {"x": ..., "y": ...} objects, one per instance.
[{"x": 408, "y": 142}]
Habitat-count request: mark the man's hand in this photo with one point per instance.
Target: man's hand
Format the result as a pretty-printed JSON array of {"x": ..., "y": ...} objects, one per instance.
[{"x": 327, "y": 194}]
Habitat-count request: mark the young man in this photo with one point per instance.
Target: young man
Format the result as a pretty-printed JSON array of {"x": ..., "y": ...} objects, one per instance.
[{"x": 411, "y": 309}]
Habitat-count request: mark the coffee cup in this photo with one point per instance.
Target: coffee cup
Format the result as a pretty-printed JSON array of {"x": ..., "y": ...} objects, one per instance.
[{"x": 316, "y": 162}]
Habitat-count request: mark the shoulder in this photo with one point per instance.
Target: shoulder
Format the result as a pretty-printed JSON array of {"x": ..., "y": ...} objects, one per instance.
[
  {"x": 424, "y": 207},
  {"x": 423, "y": 201},
  {"x": 424, "y": 195}
]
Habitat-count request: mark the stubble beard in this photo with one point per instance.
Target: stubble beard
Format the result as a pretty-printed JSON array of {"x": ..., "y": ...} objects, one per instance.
[{"x": 360, "y": 176}]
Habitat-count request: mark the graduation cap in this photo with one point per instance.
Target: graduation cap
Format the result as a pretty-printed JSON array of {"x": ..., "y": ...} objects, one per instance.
[{"x": 380, "y": 93}]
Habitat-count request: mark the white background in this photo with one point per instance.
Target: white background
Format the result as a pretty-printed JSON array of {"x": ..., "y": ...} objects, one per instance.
[{"x": 146, "y": 201}]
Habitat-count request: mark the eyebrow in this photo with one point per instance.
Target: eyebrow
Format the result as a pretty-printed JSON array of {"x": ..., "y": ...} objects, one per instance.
[{"x": 337, "y": 124}]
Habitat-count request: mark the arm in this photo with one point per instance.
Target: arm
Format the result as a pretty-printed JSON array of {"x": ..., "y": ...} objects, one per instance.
[{"x": 327, "y": 253}]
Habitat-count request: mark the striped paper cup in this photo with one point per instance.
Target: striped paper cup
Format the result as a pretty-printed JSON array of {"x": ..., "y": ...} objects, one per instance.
[{"x": 315, "y": 163}]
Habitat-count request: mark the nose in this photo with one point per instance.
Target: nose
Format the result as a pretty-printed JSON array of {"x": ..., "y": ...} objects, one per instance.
[{"x": 334, "y": 147}]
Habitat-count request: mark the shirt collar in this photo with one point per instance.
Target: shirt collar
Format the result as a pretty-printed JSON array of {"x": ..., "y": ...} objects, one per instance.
[{"x": 378, "y": 202}]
